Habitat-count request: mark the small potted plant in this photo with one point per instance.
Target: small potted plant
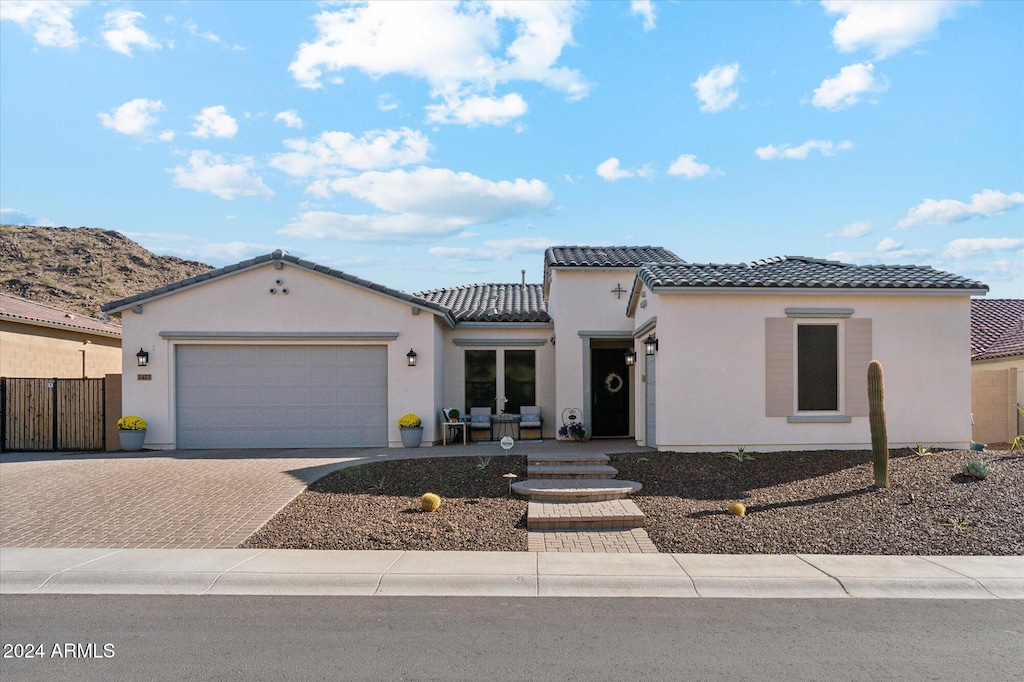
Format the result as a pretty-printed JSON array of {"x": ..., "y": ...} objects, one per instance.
[
  {"x": 453, "y": 415},
  {"x": 574, "y": 430},
  {"x": 131, "y": 431},
  {"x": 411, "y": 427}
]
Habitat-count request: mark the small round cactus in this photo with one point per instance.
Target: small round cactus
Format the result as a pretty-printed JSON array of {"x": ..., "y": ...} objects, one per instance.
[
  {"x": 430, "y": 502},
  {"x": 737, "y": 509}
]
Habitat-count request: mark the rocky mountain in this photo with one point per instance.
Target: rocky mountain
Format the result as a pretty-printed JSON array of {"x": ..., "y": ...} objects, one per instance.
[{"x": 81, "y": 268}]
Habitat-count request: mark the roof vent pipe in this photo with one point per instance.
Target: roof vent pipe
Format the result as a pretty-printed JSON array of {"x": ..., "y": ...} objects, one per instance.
[{"x": 524, "y": 276}]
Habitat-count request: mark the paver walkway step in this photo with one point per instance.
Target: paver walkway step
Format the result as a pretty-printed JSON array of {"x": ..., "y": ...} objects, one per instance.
[
  {"x": 606, "y": 515},
  {"x": 567, "y": 458},
  {"x": 575, "y": 490},
  {"x": 635, "y": 541},
  {"x": 571, "y": 471}
]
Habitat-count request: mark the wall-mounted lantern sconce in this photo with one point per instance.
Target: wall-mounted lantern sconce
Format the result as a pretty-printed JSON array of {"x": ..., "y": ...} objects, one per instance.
[
  {"x": 630, "y": 357},
  {"x": 411, "y": 357},
  {"x": 650, "y": 344},
  {"x": 143, "y": 358}
]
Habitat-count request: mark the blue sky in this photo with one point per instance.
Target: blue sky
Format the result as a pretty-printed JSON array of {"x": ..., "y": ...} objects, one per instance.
[{"x": 436, "y": 144}]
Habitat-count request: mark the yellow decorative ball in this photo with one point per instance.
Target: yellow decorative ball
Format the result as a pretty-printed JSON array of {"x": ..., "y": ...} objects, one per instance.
[
  {"x": 737, "y": 509},
  {"x": 430, "y": 502}
]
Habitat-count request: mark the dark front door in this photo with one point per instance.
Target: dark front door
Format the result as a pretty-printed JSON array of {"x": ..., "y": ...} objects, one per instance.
[{"x": 609, "y": 392}]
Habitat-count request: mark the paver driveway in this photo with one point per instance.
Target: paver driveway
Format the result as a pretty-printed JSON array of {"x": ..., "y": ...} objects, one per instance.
[{"x": 207, "y": 498}]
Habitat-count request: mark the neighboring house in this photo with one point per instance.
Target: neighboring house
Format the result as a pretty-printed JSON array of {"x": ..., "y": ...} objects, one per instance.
[
  {"x": 280, "y": 352},
  {"x": 40, "y": 341},
  {"x": 997, "y": 369}
]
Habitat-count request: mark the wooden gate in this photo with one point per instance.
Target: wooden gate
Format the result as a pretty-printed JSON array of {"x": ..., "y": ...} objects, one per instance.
[{"x": 51, "y": 414}]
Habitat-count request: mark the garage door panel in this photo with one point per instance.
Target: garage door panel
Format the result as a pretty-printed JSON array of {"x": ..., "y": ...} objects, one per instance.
[{"x": 281, "y": 396}]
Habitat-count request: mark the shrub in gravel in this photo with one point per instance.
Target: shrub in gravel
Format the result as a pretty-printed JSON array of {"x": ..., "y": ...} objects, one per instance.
[
  {"x": 737, "y": 509},
  {"x": 430, "y": 502},
  {"x": 975, "y": 468}
]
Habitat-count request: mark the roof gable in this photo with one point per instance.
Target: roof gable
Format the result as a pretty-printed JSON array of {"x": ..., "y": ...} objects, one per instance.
[
  {"x": 997, "y": 328},
  {"x": 603, "y": 257},
  {"x": 122, "y": 304},
  {"x": 493, "y": 302},
  {"x": 18, "y": 309}
]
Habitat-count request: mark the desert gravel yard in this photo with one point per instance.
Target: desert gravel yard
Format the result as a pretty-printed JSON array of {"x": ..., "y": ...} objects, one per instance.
[{"x": 806, "y": 502}]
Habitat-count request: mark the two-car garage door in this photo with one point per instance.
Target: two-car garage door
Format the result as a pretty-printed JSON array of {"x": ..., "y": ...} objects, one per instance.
[{"x": 256, "y": 396}]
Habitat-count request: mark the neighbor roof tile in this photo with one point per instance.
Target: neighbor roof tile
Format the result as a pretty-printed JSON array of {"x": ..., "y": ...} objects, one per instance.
[
  {"x": 997, "y": 328},
  {"x": 17, "y": 308}
]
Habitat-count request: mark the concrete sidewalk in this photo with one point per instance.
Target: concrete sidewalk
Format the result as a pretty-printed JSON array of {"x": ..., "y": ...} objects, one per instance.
[{"x": 504, "y": 574}]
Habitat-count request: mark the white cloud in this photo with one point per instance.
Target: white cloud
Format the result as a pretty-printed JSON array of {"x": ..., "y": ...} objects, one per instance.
[
  {"x": 387, "y": 102},
  {"x": 846, "y": 89},
  {"x": 122, "y": 32},
  {"x": 214, "y": 121},
  {"x": 134, "y": 117},
  {"x": 49, "y": 23},
  {"x": 888, "y": 244},
  {"x": 645, "y": 9},
  {"x": 609, "y": 170},
  {"x": 13, "y": 216},
  {"x": 987, "y": 203},
  {"x": 860, "y": 228},
  {"x": 886, "y": 27},
  {"x": 338, "y": 153},
  {"x": 716, "y": 89},
  {"x": 959, "y": 249},
  {"x": 458, "y": 48},
  {"x": 687, "y": 165},
  {"x": 165, "y": 135},
  {"x": 826, "y": 147},
  {"x": 207, "y": 172},
  {"x": 443, "y": 193},
  {"x": 495, "y": 249},
  {"x": 425, "y": 203},
  {"x": 191, "y": 27},
  {"x": 476, "y": 109},
  {"x": 290, "y": 118}
]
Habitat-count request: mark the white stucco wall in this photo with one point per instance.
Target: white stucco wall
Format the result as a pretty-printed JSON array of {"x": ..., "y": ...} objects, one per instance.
[
  {"x": 711, "y": 372},
  {"x": 581, "y": 299},
  {"x": 454, "y": 380},
  {"x": 241, "y": 302}
]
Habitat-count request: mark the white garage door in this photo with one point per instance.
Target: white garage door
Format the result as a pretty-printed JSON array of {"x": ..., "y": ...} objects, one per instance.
[{"x": 281, "y": 396}]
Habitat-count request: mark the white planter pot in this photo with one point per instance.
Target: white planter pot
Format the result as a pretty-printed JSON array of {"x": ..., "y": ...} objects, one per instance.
[
  {"x": 411, "y": 436},
  {"x": 132, "y": 441}
]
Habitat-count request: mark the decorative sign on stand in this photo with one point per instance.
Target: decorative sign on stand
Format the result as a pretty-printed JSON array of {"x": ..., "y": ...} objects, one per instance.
[{"x": 507, "y": 443}]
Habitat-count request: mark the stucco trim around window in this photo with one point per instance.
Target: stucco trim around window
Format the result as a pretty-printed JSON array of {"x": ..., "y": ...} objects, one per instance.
[
  {"x": 499, "y": 342},
  {"x": 604, "y": 334},
  {"x": 837, "y": 313},
  {"x": 819, "y": 419},
  {"x": 646, "y": 327},
  {"x": 284, "y": 336}
]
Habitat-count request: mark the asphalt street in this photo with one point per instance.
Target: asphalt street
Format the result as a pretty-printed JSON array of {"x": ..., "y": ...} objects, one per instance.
[{"x": 133, "y": 637}]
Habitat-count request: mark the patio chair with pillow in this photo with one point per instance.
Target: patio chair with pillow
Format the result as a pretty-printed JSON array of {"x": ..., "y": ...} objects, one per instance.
[
  {"x": 531, "y": 421},
  {"x": 479, "y": 420}
]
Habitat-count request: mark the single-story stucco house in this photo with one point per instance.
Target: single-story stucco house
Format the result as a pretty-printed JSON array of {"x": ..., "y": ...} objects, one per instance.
[
  {"x": 277, "y": 351},
  {"x": 997, "y": 368},
  {"x": 42, "y": 341}
]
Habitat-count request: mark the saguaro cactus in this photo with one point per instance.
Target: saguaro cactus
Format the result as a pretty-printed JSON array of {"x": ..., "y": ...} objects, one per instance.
[{"x": 879, "y": 434}]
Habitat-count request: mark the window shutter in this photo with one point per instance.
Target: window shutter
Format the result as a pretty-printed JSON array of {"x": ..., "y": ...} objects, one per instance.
[
  {"x": 778, "y": 366},
  {"x": 858, "y": 355}
]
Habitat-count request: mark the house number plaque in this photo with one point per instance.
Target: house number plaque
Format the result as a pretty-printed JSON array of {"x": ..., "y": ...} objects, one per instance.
[{"x": 144, "y": 377}]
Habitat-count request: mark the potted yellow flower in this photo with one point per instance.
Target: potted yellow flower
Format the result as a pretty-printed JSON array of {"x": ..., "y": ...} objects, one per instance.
[
  {"x": 131, "y": 431},
  {"x": 411, "y": 428}
]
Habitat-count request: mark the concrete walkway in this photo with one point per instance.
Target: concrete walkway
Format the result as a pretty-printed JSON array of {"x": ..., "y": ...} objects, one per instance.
[{"x": 505, "y": 574}]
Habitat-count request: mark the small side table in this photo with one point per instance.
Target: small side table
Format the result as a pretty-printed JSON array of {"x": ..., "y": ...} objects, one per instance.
[
  {"x": 505, "y": 425},
  {"x": 454, "y": 425}
]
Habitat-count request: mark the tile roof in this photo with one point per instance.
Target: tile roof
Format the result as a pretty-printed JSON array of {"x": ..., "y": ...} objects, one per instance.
[
  {"x": 123, "y": 303},
  {"x": 21, "y": 309},
  {"x": 493, "y": 302},
  {"x": 803, "y": 273},
  {"x": 997, "y": 328},
  {"x": 607, "y": 256}
]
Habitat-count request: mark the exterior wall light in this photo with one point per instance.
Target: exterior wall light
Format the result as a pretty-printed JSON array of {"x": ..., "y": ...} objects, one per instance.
[
  {"x": 411, "y": 357},
  {"x": 143, "y": 358},
  {"x": 650, "y": 344},
  {"x": 630, "y": 357}
]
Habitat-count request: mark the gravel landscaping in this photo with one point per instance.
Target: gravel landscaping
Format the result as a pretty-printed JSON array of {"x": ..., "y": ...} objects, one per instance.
[{"x": 806, "y": 502}]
